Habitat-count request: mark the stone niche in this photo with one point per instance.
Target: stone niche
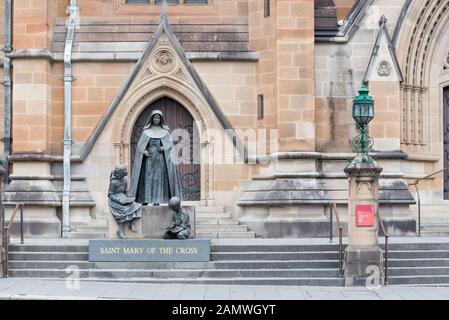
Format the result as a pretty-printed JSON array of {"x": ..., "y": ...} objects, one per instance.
[{"x": 154, "y": 222}]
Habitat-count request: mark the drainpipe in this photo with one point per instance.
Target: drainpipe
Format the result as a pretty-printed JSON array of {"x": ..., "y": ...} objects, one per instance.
[
  {"x": 7, "y": 49},
  {"x": 68, "y": 78}
]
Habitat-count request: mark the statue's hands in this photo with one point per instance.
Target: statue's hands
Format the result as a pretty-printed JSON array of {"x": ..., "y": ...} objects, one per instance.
[
  {"x": 146, "y": 153},
  {"x": 161, "y": 149}
]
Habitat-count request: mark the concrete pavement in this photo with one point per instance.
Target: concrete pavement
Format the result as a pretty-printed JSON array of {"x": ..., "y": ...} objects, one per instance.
[{"x": 22, "y": 288}]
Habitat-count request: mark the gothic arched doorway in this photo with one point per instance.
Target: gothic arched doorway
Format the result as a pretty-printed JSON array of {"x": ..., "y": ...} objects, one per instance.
[{"x": 177, "y": 117}]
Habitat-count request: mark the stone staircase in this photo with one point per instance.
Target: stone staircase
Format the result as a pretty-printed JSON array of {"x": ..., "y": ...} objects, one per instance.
[
  {"x": 245, "y": 262},
  {"x": 216, "y": 222},
  {"x": 419, "y": 263},
  {"x": 258, "y": 264},
  {"x": 95, "y": 229},
  {"x": 211, "y": 223}
]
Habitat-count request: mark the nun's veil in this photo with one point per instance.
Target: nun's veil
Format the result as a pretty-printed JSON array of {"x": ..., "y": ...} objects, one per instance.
[{"x": 150, "y": 120}]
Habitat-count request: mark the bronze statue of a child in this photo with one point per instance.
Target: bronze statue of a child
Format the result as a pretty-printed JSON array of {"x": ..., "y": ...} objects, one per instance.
[
  {"x": 180, "y": 222},
  {"x": 123, "y": 207}
]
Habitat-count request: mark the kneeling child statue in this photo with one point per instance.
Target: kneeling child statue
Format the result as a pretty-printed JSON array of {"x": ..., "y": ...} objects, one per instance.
[{"x": 180, "y": 227}]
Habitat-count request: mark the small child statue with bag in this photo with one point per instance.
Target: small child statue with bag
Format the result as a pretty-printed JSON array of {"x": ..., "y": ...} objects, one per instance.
[{"x": 180, "y": 222}]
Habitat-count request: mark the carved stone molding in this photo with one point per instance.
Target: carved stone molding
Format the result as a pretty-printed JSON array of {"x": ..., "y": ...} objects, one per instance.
[
  {"x": 427, "y": 22},
  {"x": 384, "y": 69}
]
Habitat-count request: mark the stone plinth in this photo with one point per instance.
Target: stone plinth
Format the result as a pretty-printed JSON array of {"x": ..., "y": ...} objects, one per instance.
[
  {"x": 363, "y": 252},
  {"x": 361, "y": 263},
  {"x": 287, "y": 200},
  {"x": 155, "y": 220}
]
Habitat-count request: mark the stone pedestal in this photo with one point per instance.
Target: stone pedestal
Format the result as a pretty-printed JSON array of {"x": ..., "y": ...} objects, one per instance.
[
  {"x": 287, "y": 200},
  {"x": 363, "y": 254},
  {"x": 38, "y": 222},
  {"x": 154, "y": 222}
]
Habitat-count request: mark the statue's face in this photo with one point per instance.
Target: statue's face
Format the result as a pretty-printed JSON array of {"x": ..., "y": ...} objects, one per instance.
[
  {"x": 156, "y": 120},
  {"x": 176, "y": 206}
]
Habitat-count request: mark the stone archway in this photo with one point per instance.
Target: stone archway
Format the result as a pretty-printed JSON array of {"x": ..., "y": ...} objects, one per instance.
[
  {"x": 422, "y": 49},
  {"x": 143, "y": 95},
  {"x": 183, "y": 127}
]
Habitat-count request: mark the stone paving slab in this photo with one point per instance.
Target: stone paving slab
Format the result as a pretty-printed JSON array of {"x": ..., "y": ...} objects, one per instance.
[{"x": 21, "y": 288}]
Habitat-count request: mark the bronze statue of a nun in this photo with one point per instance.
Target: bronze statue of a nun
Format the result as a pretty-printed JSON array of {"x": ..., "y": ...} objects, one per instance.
[{"x": 155, "y": 177}]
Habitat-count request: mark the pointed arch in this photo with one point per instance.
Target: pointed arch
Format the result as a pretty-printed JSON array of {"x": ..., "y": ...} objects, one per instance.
[{"x": 421, "y": 44}]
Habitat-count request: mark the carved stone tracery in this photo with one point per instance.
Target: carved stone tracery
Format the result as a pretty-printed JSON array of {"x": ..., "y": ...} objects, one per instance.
[{"x": 414, "y": 90}]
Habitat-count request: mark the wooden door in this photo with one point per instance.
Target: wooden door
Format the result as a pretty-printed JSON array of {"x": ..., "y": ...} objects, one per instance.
[
  {"x": 176, "y": 117},
  {"x": 446, "y": 141}
]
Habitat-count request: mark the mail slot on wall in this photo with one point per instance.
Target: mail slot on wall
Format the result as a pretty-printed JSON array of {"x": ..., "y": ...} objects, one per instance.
[{"x": 365, "y": 215}]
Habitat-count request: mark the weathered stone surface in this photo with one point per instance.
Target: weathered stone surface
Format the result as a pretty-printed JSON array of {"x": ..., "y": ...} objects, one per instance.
[
  {"x": 99, "y": 36},
  {"x": 31, "y": 192},
  {"x": 296, "y": 228},
  {"x": 362, "y": 262},
  {"x": 283, "y": 192},
  {"x": 154, "y": 222},
  {"x": 79, "y": 193},
  {"x": 401, "y": 226},
  {"x": 394, "y": 191}
]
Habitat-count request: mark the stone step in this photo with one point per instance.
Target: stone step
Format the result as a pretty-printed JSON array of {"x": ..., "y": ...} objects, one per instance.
[
  {"x": 87, "y": 235},
  {"x": 92, "y": 229},
  {"x": 48, "y": 248},
  {"x": 212, "y": 215},
  {"x": 417, "y": 280},
  {"x": 414, "y": 254},
  {"x": 100, "y": 222},
  {"x": 204, "y": 209},
  {"x": 418, "y": 246},
  {"x": 40, "y": 265},
  {"x": 432, "y": 234},
  {"x": 179, "y": 273},
  {"x": 409, "y": 247},
  {"x": 214, "y": 221},
  {"x": 417, "y": 263},
  {"x": 422, "y": 271},
  {"x": 224, "y": 234},
  {"x": 205, "y": 228},
  {"x": 317, "y": 282},
  {"x": 218, "y": 265},
  {"x": 434, "y": 227},
  {"x": 321, "y": 255},
  {"x": 273, "y": 248},
  {"x": 55, "y": 256}
]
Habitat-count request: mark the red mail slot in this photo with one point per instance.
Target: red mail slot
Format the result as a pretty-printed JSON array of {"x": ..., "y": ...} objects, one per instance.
[{"x": 365, "y": 215}]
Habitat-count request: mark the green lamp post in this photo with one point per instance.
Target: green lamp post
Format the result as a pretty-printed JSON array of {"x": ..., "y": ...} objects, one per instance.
[{"x": 363, "y": 113}]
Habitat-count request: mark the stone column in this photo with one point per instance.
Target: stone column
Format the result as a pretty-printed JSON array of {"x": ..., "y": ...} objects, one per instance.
[{"x": 363, "y": 250}]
